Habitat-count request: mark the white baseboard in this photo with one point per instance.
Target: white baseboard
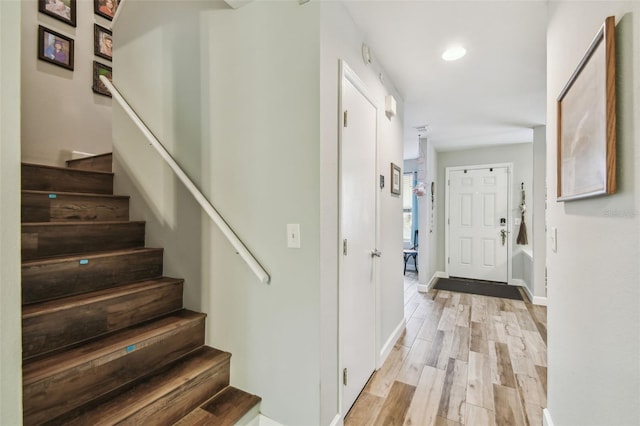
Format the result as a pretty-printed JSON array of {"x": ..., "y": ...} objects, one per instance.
[
  {"x": 537, "y": 300},
  {"x": 546, "y": 418},
  {"x": 386, "y": 348},
  {"x": 439, "y": 274},
  {"x": 337, "y": 421},
  {"x": 261, "y": 420}
]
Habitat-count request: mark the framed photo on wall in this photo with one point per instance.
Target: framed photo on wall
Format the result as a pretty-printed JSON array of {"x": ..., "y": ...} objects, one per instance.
[
  {"x": 105, "y": 8},
  {"x": 62, "y": 10},
  {"x": 396, "y": 179},
  {"x": 587, "y": 122},
  {"x": 98, "y": 86},
  {"x": 55, "y": 48},
  {"x": 102, "y": 42}
]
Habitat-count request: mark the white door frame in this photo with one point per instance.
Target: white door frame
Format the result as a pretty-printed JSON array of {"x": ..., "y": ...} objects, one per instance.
[
  {"x": 509, "y": 167},
  {"x": 347, "y": 73}
]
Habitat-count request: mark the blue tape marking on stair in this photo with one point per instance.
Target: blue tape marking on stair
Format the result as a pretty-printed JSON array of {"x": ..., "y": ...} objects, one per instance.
[
  {"x": 53, "y": 196},
  {"x": 131, "y": 348},
  {"x": 84, "y": 261}
]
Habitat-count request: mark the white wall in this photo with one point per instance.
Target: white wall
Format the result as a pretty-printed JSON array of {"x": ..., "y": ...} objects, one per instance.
[
  {"x": 60, "y": 112},
  {"x": 340, "y": 39},
  {"x": 521, "y": 157},
  {"x": 235, "y": 97},
  {"x": 537, "y": 286},
  {"x": 10, "y": 312},
  {"x": 593, "y": 287}
]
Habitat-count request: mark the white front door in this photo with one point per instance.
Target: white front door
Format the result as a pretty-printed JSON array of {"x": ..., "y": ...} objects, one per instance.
[
  {"x": 478, "y": 218},
  {"x": 358, "y": 238}
]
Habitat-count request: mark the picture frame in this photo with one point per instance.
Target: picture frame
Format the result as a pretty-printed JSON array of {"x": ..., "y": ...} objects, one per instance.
[
  {"x": 106, "y": 8},
  {"x": 55, "y": 48},
  {"x": 587, "y": 122},
  {"x": 102, "y": 42},
  {"x": 396, "y": 179},
  {"x": 98, "y": 70},
  {"x": 62, "y": 10}
]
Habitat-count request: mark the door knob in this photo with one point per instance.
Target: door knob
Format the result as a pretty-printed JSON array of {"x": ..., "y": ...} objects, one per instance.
[
  {"x": 503, "y": 235},
  {"x": 376, "y": 253}
]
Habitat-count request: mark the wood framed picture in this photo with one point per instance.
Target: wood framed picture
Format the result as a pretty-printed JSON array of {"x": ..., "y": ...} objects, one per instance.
[
  {"x": 587, "y": 122},
  {"x": 99, "y": 70},
  {"x": 102, "y": 42},
  {"x": 62, "y": 10},
  {"x": 105, "y": 8},
  {"x": 55, "y": 48},
  {"x": 396, "y": 179}
]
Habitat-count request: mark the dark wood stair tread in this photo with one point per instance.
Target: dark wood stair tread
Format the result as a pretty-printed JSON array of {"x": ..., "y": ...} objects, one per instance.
[
  {"x": 75, "y": 194},
  {"x": 94, "y": 162},
  {"x": 96, "y": 255},
  {"x": 80, "y": 171},
  {"x": 48, "y": 239},
  {"x": 107, "y": 348},
  {"x": 56, "y": 324},
  {"x": 60, "y": 383},
  {"x": 49, "y": 206},
  {"x": 64, "y": 179},
  {"x": 93, "y": 297},
  {"x": 52, "y": 278},
  {"x": 224, "y": 409},
  {"x": 160, "y": 399}
]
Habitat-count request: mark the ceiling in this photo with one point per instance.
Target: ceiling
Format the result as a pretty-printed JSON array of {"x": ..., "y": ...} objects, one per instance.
[{"x": 493, "y": 95}]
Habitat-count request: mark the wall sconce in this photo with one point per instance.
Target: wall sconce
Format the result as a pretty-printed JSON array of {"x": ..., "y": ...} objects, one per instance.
[{"x": 390, "y": 106}]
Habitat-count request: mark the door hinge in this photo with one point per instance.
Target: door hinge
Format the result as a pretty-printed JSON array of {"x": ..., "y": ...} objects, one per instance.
[
  {"x": 344, "y": 247},
  {"x": 448, "y": 221},
  {"x": 448, "y": 260},
  {"x": 449, "y": 182},
  {"x": 344, "y": 118},
  {"x": 344, "y": 377}
]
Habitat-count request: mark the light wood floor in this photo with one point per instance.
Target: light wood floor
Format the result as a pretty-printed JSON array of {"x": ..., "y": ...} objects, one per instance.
[{"x": 463, "y": 360}]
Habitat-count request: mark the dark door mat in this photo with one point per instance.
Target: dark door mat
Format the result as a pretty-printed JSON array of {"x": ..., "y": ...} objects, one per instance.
[{"x": 478, "y": 287}]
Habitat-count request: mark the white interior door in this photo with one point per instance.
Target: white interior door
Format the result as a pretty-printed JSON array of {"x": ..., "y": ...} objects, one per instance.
[
  {"x": 358, "y": 237},
  {"x": 478, "y": 218}
]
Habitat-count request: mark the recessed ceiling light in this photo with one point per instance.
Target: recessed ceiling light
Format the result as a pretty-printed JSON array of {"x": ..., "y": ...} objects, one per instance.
[{"x": 453, "y": 53}]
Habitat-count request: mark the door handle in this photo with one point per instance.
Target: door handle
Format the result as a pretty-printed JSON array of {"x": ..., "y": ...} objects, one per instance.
[
  {"x": 376, "y": 253},
  {"x": 503, "y": 235}
]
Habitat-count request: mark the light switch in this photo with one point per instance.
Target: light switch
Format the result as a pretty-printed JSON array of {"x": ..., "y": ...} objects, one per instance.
[
  {"x": 516, "y": 221},
  {"x": 554, "y": 239},
  {"x": 293, "y": 235}
]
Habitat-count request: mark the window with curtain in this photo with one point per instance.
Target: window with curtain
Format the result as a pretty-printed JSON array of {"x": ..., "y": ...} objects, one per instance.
[{"x": 408, "y": 210}]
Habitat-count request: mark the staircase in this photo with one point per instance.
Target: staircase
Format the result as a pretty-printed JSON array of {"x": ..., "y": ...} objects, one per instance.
[{"x": 105, "y": 338}]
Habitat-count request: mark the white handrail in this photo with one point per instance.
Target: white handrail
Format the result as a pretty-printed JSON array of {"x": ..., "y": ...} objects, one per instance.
[{"x": 200, "y": 198}]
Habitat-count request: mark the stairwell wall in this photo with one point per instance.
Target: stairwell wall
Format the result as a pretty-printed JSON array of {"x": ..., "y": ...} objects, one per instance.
[
  {"x": 10, "y": 294},
  {"x": 234, "y": 96},
  {"x": 246, "y": 100},
  {"x": 60, "y": 112},
  {"x": 593, "y": 285}
]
